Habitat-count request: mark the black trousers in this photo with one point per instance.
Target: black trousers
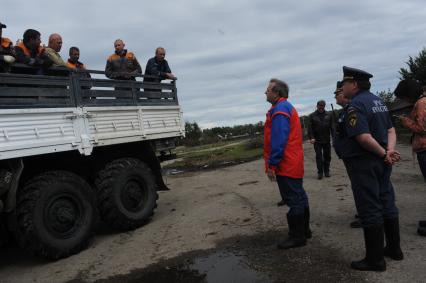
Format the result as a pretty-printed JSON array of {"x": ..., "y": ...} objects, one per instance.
[
  {"x": 323, "y": 157},
  {"x": 421, "y": 157},
  {"x": 373, "y": 191}
]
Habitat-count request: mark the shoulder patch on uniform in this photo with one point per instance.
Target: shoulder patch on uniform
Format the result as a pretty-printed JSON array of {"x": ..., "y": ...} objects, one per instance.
[{"x": 352, "y": 118}]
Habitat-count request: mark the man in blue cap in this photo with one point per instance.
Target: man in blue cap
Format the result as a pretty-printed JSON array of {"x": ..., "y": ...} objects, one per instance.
[{"x": 369, "y": 156}]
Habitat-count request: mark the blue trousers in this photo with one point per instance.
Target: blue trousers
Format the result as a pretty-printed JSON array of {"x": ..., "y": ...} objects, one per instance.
[
  {"x": 292, "y": 191},
  {"x": 372, "y": 189}
]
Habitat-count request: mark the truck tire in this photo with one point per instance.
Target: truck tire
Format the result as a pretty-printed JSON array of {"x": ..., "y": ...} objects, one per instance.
[
  {"x": 56, "y": 214},
  {"x": 127, "y": 194}
]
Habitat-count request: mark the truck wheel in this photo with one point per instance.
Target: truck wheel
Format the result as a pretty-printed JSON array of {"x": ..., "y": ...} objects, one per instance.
[
  {"x": 127, "y": 194},
  {"x": 56, "y": 214}
]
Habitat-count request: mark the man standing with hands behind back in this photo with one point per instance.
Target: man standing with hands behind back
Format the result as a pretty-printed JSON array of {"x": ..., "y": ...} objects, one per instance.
[{"x": 369, "y": 158}]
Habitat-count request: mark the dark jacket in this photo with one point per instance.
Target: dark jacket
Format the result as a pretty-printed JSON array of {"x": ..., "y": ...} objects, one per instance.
[
  {"x": 122, "y": 67},
  {"x": 320, "y": 127},
  {"x": 156, "y": 68},
  {"x": 35, "y": 58},
  {"x": 6, "y": 48}
]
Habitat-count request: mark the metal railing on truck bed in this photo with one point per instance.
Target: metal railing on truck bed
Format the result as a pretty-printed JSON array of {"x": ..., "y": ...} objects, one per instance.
[
  {"x": 63, "y": 88},
  {"x": 63, "y": 111}
]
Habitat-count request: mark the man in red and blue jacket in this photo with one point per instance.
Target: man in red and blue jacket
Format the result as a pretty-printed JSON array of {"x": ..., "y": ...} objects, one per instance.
[{"x": 283, "y": 154}]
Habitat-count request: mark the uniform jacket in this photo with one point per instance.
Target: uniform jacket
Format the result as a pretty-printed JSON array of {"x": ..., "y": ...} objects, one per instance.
[
  {"x": 320, "y": 127},
  {"x": 417, "y": 124},
  {"x": 121, "y": 66},
  {"x": 283, "y": 150},
  {"x": 366, "y": 113}
]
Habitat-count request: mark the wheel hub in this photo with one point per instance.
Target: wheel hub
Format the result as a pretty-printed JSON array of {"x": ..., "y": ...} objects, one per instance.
[
  {"x": 133, "y": 195},
  {"x": 63, "y": 215}
]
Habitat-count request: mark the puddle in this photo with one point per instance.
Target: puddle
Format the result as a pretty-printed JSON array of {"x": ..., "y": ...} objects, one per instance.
[
  {"x": 172, "y": 172},
  {"x": 248, "y": 259},
  {"x": 218, "y": 267}
]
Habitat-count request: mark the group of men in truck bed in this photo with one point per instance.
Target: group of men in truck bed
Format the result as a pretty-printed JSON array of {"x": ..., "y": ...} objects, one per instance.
[{"x": 121, "y": 65}]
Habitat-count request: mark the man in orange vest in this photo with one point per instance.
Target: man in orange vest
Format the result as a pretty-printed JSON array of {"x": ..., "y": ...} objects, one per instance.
[
  {"x": 30, "y": 52},
  {"x": 122, "y": 65},
  {"x": 73, "y": 62},
  {"x": 7, "y": 54}
]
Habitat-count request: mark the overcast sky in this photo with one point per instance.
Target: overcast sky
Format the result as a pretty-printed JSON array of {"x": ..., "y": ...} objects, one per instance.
[{"x": 225, "y": 52}]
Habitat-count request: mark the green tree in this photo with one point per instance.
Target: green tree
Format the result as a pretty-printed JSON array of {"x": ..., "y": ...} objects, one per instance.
[
  {"x": 416, "y": 68},
  {"x": 387, "y": 97},
  {"x": 192, "y": 133}
]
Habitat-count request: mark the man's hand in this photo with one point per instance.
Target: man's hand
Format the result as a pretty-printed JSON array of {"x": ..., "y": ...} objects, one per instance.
[
  {"x": 392, "y": 156},
  {"x": 271, "y": 175},
  {"x": 7, "y": 58},
  {"x": 312, "y": 141},
  {"x": 170, "y": 76}
]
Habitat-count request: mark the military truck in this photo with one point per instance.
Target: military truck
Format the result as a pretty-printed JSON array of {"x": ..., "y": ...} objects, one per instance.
[{"x": 75, "y": 149}]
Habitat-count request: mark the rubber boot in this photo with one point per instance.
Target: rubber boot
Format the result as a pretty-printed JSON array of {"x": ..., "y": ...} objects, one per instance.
[
  {"x": 421, "y": 231},
  {"x": 393, "y": 248},
  {"x": 308, "y": 231},
  {"x": 296, "y": 234},
  {"x": 422, "y": 223},
  {"x": 355, "y": 224},
  {"x": 374, "y": 260}
]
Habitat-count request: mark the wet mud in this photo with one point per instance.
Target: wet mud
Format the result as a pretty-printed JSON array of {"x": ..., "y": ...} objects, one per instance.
[{"x": 248, "y": 259}]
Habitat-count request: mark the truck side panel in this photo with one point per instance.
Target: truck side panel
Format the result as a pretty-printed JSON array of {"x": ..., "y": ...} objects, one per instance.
[{"x": 37, "y": 131}]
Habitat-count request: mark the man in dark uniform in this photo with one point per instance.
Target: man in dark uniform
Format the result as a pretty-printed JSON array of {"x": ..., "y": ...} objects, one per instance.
[
  {"x": 369, "y": 156},
  {"x": 319, "y": 132},
  {"x": 340, "y": 140}
]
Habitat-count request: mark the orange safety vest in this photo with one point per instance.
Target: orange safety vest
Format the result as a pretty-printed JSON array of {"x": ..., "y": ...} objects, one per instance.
[
  {"x": 129, "y": 56},
  {"x": 74, "y": 66},
  {"x": 6, "y": 42},
  {"x": 27, "y": 51}
]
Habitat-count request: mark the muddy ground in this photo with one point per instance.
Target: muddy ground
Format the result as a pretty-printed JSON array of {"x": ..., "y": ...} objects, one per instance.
[{"x": 222, "y": 226}]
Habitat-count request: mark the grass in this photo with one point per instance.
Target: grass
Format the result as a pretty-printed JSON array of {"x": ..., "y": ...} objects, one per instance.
[{"x": 217, "y": 155}]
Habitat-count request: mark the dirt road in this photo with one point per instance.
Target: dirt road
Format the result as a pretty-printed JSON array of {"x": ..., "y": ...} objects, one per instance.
[{"x": 214, "y": 219}]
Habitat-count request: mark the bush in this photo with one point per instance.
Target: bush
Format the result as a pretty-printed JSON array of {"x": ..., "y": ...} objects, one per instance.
[{"x": 255, "y": 142}]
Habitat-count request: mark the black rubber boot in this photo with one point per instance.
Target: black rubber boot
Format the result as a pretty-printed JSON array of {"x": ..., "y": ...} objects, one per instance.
[
  {"x": 422, "y": 223},
  {"x": 421, "y": 231},
  {"x": 296, "y": 234},
  {"x": 308, "y": 231},
  {"x": 356, "y": 224},
  {"x": 393, "y": 248},
  {"x": 319, "y": 177},
  {"x": 374, "y": 260}
]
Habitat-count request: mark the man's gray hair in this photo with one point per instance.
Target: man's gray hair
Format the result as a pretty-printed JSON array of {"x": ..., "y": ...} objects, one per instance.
[{"x": 280, "y": 87}]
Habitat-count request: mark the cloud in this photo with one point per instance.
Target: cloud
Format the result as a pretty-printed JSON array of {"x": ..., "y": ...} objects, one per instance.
[{"x": 224, "y": 53}]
